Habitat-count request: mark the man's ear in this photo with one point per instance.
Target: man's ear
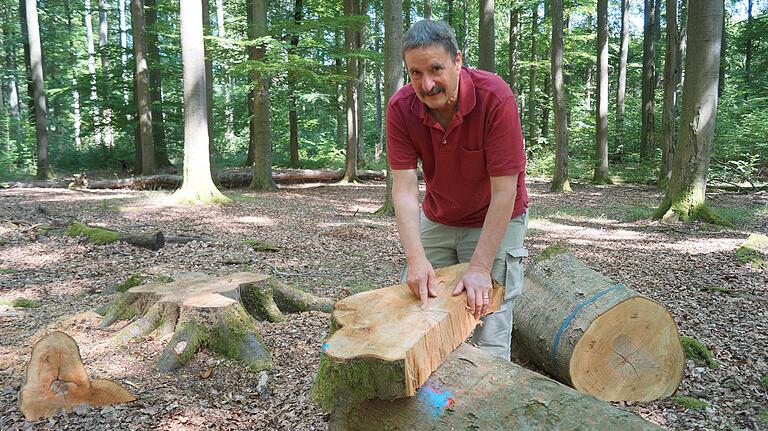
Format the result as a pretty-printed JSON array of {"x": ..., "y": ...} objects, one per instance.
[{"x": 457, "y": 62}]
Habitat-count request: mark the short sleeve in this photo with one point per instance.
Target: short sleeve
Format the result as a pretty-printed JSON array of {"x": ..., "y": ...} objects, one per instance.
[
  {"x": 401, "y": 152},
  {"x": 504, "y": 148}
]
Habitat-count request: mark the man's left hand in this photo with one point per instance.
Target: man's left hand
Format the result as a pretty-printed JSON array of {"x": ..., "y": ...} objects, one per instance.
[{"x": 477, "y": 283}]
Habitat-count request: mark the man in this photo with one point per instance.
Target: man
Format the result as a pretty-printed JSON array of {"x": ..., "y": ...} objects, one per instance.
[{"x": 463, "y": 125}]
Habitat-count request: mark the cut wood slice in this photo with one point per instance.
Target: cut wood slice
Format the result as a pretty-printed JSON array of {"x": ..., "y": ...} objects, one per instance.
[
  {"x": 598, "y": 336},
  {"x": 474, "y": 390},
  {"x": 55, "y": 379},
  {"x": 199, "y": 310},
  {"x": 383, "y": 345}
]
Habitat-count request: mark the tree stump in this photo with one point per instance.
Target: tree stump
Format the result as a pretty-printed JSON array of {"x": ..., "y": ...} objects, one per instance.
[
  {"x": 473, "y": 390},
  {"x": 199, "y": 311},
  {"x": 383, "y": 345},
  {"x": 600, "y": 337},
  {"x": 55, "y": 379}
]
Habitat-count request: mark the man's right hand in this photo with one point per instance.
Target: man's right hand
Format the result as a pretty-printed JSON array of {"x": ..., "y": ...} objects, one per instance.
[{"x": 421, "y": 280}]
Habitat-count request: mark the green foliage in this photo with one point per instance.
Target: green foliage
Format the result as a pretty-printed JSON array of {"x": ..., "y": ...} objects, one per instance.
[
  {"x": 691, "y": 402},
  {"x": 764, "y": 380},
  {"x": 133, "y": 280},
  {"x": 551, "y": 251},
  {"x": 697, "y": 352},
  {"x": 23, "y": 303},
  {"x": 95, "y": 234}
]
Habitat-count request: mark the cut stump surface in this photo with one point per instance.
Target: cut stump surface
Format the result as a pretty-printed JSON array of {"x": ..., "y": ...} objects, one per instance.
[{"x": 55, "y": 379}]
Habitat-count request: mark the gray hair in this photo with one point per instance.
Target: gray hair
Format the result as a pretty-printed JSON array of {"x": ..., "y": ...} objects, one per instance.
[{"x": 427, "y": 33}]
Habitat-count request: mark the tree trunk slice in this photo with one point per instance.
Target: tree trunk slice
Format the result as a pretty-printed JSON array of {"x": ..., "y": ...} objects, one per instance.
[
  {"x": 199, "y": 311},
  {"x": 600, "y": 337},
  {"x": 473, "y": 390},
  {"x": 55, "y": 379},
  {"x": 383, "y": 345}
]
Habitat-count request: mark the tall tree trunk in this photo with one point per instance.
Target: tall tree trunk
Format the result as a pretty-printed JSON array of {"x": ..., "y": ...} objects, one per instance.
[
  {"x": 427, "y": 9},
  {"x": 686, "y": 192},
  {"x": 92, "y": 71},
  {"x": 350, "y": 171},
  {"x": 27, "y": 62},
  {"x": 377, "y": 85},
  {"x": 38, "y": 84},
  {"x": 360, "y": 64},
  {"x": 648, "y": 120},
  {"x": 486, "y": 38},
  {"x": 229, "y": 113},
  {"x": 142, "y": 95},
  {"x": 532, "y": 126},
  {"x": 209, "y": 88},
  {"x": 124, "y": 44},
  {"x": 723, "y": 62},
  {"x": 340, "y": 108},
  {"x": 293, "y": 119},
  {"x": 198, "y": 187},
  {"x": 106, "y": 114},
  {"x": 514, "y": 21},
  {"x": 601, "y": 135},
  {"x": 75, "y": 92},
  {"x": 748, "y": 49},
  {"x": 465, "y": 32},
  {"x": 156, "y": 87},
  {"x": 560, "y": 180},
  {"x": 393, "y": 74},
  {"x": 449, "y": 12},
  {"x": 621, "y": 83},
  {"x": 545, "y": 106},
  {"x": 671, "y": 78},
  {"x": 261, "y": 133}
]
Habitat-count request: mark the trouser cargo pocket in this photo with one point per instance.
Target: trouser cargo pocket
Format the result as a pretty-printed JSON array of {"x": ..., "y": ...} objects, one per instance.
[{"x": 513, "y": 278}]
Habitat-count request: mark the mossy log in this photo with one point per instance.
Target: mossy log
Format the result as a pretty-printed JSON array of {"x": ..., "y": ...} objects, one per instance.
[
  {"x": 151, "y": 241},
  {"x": 473, "y": 390},
  {"x": 600, "y": 337},
  {"x": 383, "y": 345},
  {"x": 293, "y": 300},
  {"x": 55, "y": 379},
  {"x": 199, "y": 311}
]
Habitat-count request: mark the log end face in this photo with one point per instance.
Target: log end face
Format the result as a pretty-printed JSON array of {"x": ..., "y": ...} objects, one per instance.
[{"x": 632, "y": 352}]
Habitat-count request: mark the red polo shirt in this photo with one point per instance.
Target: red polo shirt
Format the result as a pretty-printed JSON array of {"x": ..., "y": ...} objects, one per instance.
[{"x": 483, "y": 140}]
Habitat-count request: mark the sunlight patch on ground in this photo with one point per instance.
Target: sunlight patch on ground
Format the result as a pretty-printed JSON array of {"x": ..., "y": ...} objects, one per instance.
[
  {"x": 258, "y": 221},
  {"x": 29, "y": 257},
  {"x": 706, "y": 245},
  {"x": 612, "y": 234}
]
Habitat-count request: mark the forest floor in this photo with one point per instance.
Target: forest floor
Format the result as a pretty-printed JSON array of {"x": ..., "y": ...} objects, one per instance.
[{"x": 333, "y": 245}]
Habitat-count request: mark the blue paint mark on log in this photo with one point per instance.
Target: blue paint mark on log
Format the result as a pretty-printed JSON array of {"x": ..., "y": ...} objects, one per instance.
[
  {"x": 326, "y": 346},
  {"x": 436, "y": 400}
]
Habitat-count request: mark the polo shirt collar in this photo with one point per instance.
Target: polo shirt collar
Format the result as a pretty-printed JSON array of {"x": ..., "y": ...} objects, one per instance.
[{"x": 467, "y": 98}]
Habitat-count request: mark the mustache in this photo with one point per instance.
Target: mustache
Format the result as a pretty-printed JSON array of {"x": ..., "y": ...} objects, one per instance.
[{"x": 437, "y": 89}]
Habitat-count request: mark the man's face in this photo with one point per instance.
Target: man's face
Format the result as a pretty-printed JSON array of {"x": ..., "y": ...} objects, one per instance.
[{"x": 434, "y": 75}]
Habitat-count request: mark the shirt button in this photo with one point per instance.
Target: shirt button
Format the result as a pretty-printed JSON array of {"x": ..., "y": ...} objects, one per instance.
[{"x": 445, "y": 141}]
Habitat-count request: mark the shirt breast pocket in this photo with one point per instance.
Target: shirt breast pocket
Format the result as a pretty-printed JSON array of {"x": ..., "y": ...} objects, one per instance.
[{"x": 473, "y": 164}]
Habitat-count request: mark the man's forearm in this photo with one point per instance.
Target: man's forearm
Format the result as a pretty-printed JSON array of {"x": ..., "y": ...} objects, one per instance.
[
  {"x": 494, "y": 227},
  {"x": 405, "y": 197}
]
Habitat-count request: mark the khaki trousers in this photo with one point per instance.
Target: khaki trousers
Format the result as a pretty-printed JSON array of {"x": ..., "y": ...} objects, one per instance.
[{"x": 448, "y": 245}]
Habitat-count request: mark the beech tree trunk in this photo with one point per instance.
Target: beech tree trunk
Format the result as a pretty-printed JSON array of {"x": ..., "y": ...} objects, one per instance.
[
  {"x": 597, "y": 336},
  {"x": 38, "y": 85},
  {"x": 686, "y": 192},
  {"x": 601, "y": 118},
  {"x": 647, "y": 127},
  {"x": 514, "y": 22},
  {"x": 486, "y": 37},
  {"x": 360, "y": 105},
  {"x": 393, "y": 74},
  {"x": 75, "y": 92},
  {"x": 261, "y": 134},
  {"x": 473, "y": 390},
  {"x": 198, "y": 187},
  {"x": 90, "y": 45},
  {"x": 378, "y": 121},
  {"x": 293, "y": 119},
  {"x": 748, "y": 48},
  {"x": 156, "y": 87},
  {"x": 209, "y": 86},
  {"x": 106, "y": 114},
  {"x": 141, "y": 86},
  {"x": 671, "y": 79},
  {"x": 621, "y": 83},
  {"x": 350, "y": 175},
  {"x": 532, "y": 72},
  {"x": 560, "y": 180}
]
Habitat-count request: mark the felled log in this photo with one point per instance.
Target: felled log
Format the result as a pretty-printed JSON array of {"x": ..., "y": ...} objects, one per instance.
[
  {"x": 199, "y": 311},
  {"x": 600, "y": 337},
  {"x": 151, "y": 241},
  {"x": 55, "y": 379},
  {"x": 383, "y": 345},
  {"x": 474, "y": 390}
]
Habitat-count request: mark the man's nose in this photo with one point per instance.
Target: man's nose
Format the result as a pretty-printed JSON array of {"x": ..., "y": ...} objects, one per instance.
[{"x": 427, "y": 84}]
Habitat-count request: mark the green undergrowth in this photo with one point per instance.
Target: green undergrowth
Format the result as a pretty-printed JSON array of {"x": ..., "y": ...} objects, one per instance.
[
  {"x": 719, "y": 289},
  {"x": 133, "y": 280},
  {"x": 8, "y": 271},
  {"x": 752, "y": 251},
  {"x": 22, "y": 303},
  {"x": 95, "y": 234},
  {"x": 697, "y": 352},
  {"x": 764, "y": 380},
  {"x": 691, "y": 402}
]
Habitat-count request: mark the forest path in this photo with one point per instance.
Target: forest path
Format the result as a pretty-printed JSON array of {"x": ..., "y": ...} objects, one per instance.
[{"x": 332, "y": 244}]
